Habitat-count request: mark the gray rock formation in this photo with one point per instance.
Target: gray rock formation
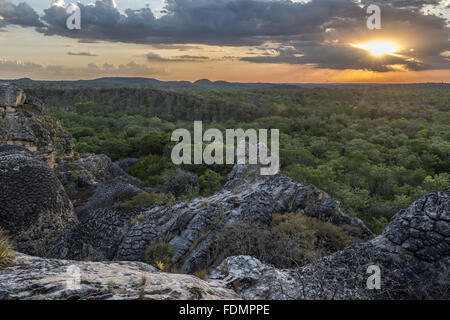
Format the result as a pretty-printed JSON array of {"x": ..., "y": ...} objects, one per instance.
[
  {"x": 126, "y": 163},
  {"x": 80, "y": 177},
  {"x": 180, "y": 183},
  {"x": 11, "y": 96},
  {"x": 32, "y": 278},
  {"x": 24, "y": 122},
  {"x": 97, "y": 237},
  {"x": 413, "y": 255},
  {"x": 194, "y": 227},
  {"x": 109, "y": 194},
  {"x": 102, "y": 224},
  {"x": 34, "y": 208}
]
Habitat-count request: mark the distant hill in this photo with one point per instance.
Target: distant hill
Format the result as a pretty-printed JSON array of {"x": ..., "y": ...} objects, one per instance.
[{"x": 138, "y": 82}]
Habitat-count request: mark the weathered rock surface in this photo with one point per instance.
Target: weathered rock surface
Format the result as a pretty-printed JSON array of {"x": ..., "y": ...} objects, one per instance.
[
  {"x": 180, "y": 183},
  {"x": 194, "y": 227},
  {"x": 11, "y": 96},
  {"x": 102, "y": 224},
  {"x": 126, "y": 163},
  {"x": 81, "y": 177},
  {"x": 24, "y": 122},
  {"x": 33, "y": 278},
  {"x": 34, "y": 208},
  {"x": 413, "y": 254}
]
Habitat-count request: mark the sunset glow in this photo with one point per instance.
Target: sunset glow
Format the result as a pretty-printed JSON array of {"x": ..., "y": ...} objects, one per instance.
[{"x": 379, "y": 48}]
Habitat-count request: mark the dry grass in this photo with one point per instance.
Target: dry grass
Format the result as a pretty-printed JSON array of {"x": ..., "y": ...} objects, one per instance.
[
  {"x": 6, "y": 250},
  {"x": 202, "y": 274}
]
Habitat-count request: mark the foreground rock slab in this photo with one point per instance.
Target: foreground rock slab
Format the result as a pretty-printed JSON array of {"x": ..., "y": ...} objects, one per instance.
[{"x": 32, "y": 278}]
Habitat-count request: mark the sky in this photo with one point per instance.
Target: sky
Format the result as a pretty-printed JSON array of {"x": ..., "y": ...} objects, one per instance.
[{"x": 278, "y": 41}]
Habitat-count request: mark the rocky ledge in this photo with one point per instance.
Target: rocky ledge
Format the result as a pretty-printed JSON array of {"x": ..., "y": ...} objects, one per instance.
[{"x": 32, "y": 278}]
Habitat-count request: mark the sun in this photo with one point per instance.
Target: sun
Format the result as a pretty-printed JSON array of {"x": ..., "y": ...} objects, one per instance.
[{"x": 379, "y": 48}]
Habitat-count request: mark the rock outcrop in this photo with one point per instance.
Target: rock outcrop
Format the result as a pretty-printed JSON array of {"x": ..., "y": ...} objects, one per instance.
[
  {"x": 32, "y": 278},
  {"x": 80, "y": 177},
  {"x": 180, "y": 183},
  {"x": 126, "y": 163},
  {"x": 193, "y": 228},
  {"x": 102, "y": 224},
  {"x": 34, "y": 208},
  {"x": 407, "y": 271},
  {"x": 413, "y": 255},
  {"x": 24, "y": 122}
]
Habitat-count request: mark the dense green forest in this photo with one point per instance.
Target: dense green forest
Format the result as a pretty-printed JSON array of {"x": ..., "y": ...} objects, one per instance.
[{"x": 376, "y": 149}]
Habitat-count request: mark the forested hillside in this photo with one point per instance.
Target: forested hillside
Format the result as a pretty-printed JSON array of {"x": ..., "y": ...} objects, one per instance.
[{"x": 376, "y": 149}]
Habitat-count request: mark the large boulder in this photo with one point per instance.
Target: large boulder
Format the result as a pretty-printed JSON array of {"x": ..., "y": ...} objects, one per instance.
[
  {"x": 32, "y": 278},
  {"x": 34, "y": 208},
  {"x": 24, "y": 122},
  {"x": 413, "y": 255}
]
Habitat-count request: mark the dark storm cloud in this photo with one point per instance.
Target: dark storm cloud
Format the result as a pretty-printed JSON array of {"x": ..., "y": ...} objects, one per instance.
[
  {"x": 318, "y": 32},
  {"x": 338, "y": 57},
  {"x": 404, "y": 3},
  {"x": 427, "y": 36},
  {"x": 224, "y": 22},
  {"x": 21, "y": 15}
]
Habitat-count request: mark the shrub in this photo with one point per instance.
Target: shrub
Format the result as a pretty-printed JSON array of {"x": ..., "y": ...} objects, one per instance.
[
  {"x": 202, "y": 274},
  {"x": 148, "y": 169},
  {"x": 159, "y": 254},
  {"x": 210, "y": 182},
  {"x": 6, "y": 253},
  {"x": 291, "y": 240},
  {"x": 321, "y": 238}
]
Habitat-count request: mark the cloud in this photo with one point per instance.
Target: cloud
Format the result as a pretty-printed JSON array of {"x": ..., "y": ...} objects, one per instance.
[
  {"x": 318, "y": 32},
  {"x": 153, "y": 57},
  {"x": 17, "y": 69},
  {"x": 88, "y": 41},
  {"x": 216, "y": 22},
  {"x": 406, "y": 3},
  {"x": 22, "y": 15},
  {"x": 421, "y": 39},
  {"x": 86, "y": 53},
  {"x": 179, "y": 47}
]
